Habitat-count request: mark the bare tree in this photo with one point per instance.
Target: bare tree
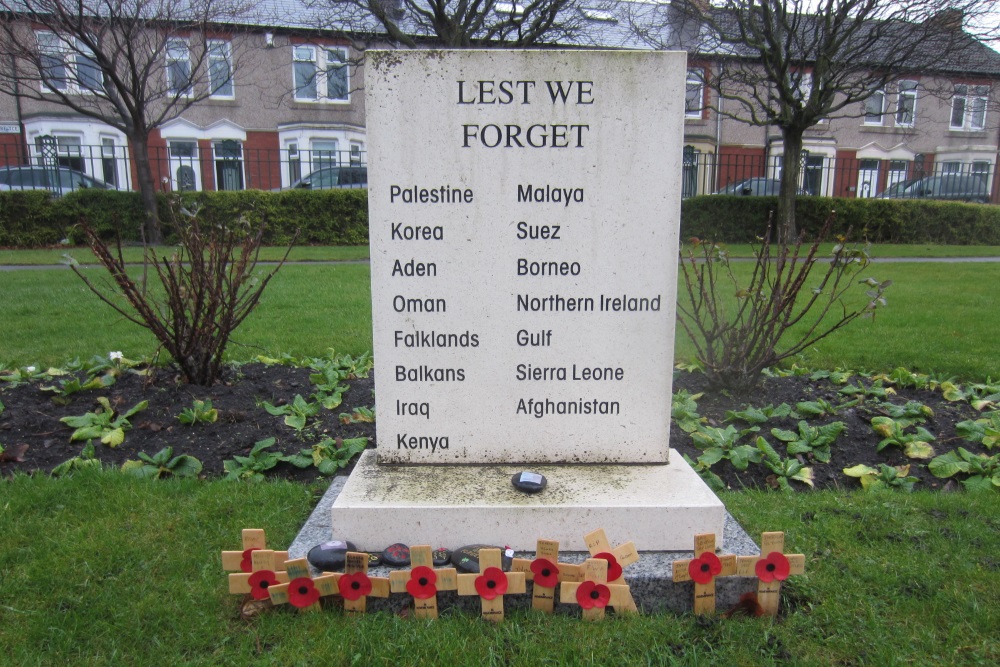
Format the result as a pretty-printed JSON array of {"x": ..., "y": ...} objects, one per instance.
[
  {"x": 132, "y": 64},
  {"x": 793, "y": 63},
  {"x": 459, "y": 23}
]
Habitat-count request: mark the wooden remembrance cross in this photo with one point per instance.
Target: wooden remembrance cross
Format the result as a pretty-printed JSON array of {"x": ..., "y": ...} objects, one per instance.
[
  {"x": 491, "y": 584},
  {"x": 618, "y": 558},
  {"x": 546, "y": 572},
  {"x": 772, "y": 567},
  {"x": 702, "y": 570},
  {"x": 594, "y": 593},
  {"x": 423, "y": 582},
  {"x": 356, "y": 586},
  {"x": 256, "y": 567},
  {"x": 302, "y": 591}
]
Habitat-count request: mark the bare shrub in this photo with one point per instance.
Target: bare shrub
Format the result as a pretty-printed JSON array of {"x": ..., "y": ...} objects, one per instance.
[
  {"x": 741, "y": 326},
  {"x": 207, "y": 287}
]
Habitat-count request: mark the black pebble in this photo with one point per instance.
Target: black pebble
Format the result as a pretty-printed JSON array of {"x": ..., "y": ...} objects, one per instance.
[
  {"x": 330, "y": 556},
  {"x": 529, "y": 482},
  {"x": 396, "y": 555},
  {"x": 440, "y": 557},
  {"x": 466, "y": 559}
]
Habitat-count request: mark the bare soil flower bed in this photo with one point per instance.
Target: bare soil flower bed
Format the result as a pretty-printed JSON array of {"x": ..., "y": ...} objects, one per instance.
[{"x": 36, "y": 441}]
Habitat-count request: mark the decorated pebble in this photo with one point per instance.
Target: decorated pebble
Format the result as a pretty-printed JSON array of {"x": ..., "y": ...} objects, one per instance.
[
  {"x": 440, "y": 557},
  {"x": 529, "y": 482},
  {"x": 396, "y": 555},
  {"x": 466, "y": 559},
  {"x": 330, "y": 556}
]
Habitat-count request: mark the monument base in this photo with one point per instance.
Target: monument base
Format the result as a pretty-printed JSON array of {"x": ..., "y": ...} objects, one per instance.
[{"x": 659, "y": 507}]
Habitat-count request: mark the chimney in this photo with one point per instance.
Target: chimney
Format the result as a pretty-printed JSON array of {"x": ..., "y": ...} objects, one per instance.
[
  {"x": 950, "y": 19},
  {"x": 696, "y": 7}
]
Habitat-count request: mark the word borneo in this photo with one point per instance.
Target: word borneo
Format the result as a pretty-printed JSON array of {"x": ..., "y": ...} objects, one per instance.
[{"x": 268, "y": 577}]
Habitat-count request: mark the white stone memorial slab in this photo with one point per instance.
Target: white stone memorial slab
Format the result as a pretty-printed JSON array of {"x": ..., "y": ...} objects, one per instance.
[{"x": 524, "y": 211}]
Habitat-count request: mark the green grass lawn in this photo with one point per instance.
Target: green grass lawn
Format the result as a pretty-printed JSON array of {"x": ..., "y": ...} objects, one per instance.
[
  {"x": 134, "y": 254},
  {"x": 941, "y": 318},
  {"x": 107, "y": 570}
]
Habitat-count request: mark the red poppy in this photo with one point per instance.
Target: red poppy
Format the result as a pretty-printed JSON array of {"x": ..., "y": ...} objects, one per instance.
[
  {"x": 421, "y": 583},
  {"x": 302, "y": 593},
  {"x": 491, "y": 583},
  {"x": 591, "y": 594},
  {"x": 546, "y": 572},
  {"x": 354, "y": 586},
  {"x": 774, "y": 566},
  {"x": 614, "y": 569},
  {"x": 703, "y": 568},
  {"x": 259, "y": 581},
  {"x": 246, "y": 565}
]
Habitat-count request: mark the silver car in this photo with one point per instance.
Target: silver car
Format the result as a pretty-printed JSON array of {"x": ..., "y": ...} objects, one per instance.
[{"x": 59, "y": 180}]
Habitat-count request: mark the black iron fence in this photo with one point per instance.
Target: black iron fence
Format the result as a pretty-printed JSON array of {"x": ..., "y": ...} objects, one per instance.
[{"x": 62, "y": 164}]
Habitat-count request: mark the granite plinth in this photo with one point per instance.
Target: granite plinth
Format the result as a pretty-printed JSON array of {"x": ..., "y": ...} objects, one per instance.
[{"x": 659, "y": 507}]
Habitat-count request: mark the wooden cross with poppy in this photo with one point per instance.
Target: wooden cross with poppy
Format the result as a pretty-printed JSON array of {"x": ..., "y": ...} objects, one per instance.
[
  {"x": 302, "y": 591},
  {"x": 771, "y": 568},
  {"x": 355, "y": 586},
  {"x": 594, "y": 593},
  {"x": 423, "y": 582},
  {"x": 546, "y": 572},
  {"x": 491, "y": 584},
  {"x": 255, "y": 567},
  {"x": 618, "y": 558},
  {"x": 702, "y": 570}
]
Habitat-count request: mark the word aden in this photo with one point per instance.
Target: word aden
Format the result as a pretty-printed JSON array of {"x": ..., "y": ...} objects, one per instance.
[{"x": 557, "y": 303}]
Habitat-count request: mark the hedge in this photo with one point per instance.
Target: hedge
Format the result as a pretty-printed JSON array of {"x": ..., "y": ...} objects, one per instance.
[
  {"x": 735, "y": 219},
  {"x": 340, "y": 217}
]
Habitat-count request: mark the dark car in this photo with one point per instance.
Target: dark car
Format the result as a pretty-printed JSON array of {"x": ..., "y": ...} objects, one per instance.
[
  {"x": 755, "y": 187},
  {"x": 59, "y": 180},
  {"x": 953, "y": 187},
  {"x": 333, "y": 177}
]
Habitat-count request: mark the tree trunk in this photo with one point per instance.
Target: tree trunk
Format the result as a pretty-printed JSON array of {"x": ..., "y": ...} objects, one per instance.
[
  {"x": 147, "y": 189},
  {"x": 790, "y": 176}
]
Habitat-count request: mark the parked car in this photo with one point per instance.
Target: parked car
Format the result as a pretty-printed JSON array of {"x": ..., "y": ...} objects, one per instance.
[
  {"x": 59, "y": 180},
  {"x": 333, "y": 177},
  {"x": 755, "y": 187},
  {"x": 953, "y": 187}
]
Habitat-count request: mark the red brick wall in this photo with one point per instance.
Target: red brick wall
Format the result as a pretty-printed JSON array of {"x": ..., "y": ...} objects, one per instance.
[
  {"x": 845, "y": 182},
  {"x": 11, "y": 150},
  {"x": 262, "y": 160},
  {"x": 737, "y": 163}
]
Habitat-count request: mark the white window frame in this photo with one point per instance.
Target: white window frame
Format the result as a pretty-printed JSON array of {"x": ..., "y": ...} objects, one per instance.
[
  {"x": 73, "y": 56},
  {"x": 695, "y": 83},
  {"x": 906, "y": 90},
  {"x": 969, "y": 102},
  {"x": 220, "y": 51},
  {"x": 874, "y": 108},
  {"x": 173, "y": 55},
  {"x": 217, "y": 144},
  {"x": 176, "y": 161},
  {"x": 323, "y": 61}
]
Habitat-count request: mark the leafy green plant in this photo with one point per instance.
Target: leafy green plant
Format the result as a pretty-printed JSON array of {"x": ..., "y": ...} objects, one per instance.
[
  {"x": 814, "y": 409},
  {"x": 719, "y": 444},
  {"x": 684, "y": 410},
  {"x": 358, "y": 415},
  {"x": 908, "y": 414},
  {"x": 253, "y": 466},
  {"x": 329, "y": 455},
  {"x": 73, "y": 385},
  {"x": 836, "y": 376},
  {"x": 200, "y": 412},
  {"x": 985, "y": 431},
  {"x": 758, "y": 415},
  {"x": 15, "y": 377},
  {"x": 86, "y": 459},
  {"x": 812, "y": 440},
  {"x": 883, "y": 477},
  {"x": 703, "y": 466},
  {"x": 876, "y": 390},
  {"x": 103, "y": 424},
  {"x": 915, "y": 445},
  {"x": 163, "y": 464},
  {"x": 784, "y": 470},
  {"x": 296, "y": 413},
  {"x": 983, "y": 471}
]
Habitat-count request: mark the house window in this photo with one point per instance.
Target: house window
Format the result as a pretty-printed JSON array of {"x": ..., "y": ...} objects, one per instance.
[
  {"x": 906, "y": 104},
  {"x": 294, "y": 163},
  {"x": 178, "y": 67},
  {"x": 897, "y": 172},
  {"x": 68, "y": 66},
  {"x": 184, "y": 164},
  {"x": 867, "y": 178},
  {"x": 68, "y": 153},
  {"x": 689, "y": 175},
  {"x": 981, "y": 168},
  {"x": 320, "y": 74},
  {"x": 802, "y": 83},
  {"x": 694, "y": 98},
  {"x": 874, "y": 108},
  {"x": 968, "y": 107},
  {"x": 324, "y": 154},
  {"x": 109, "y": 162},
  {"x": 952, "y": 167},
  {"x": 356, "y": 157},
  {"x": 220, "y": 68},
  {"x": 228, "y": 165}
]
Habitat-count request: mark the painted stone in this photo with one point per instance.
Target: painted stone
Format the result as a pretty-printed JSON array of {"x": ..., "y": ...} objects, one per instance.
[
  {"x": 330, "y": 556},
  {"x": 440, "y": 556},
  {"x": 466, "y": 559},
  {"x": 529, "y": 482},
  {"x": 396, "y": 555}
]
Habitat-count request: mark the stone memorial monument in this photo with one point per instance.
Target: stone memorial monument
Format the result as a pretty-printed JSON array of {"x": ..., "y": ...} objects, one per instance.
[{"x": 524, "y": 215}]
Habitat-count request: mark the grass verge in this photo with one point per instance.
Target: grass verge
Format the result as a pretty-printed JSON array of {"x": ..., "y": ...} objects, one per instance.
[
  {"x": 102, "y": 569},
  {"x": 54, "y": 256}
]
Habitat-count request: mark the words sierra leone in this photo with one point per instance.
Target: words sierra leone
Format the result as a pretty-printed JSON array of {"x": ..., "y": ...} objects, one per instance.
[{"x": 500, "y": 295}]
